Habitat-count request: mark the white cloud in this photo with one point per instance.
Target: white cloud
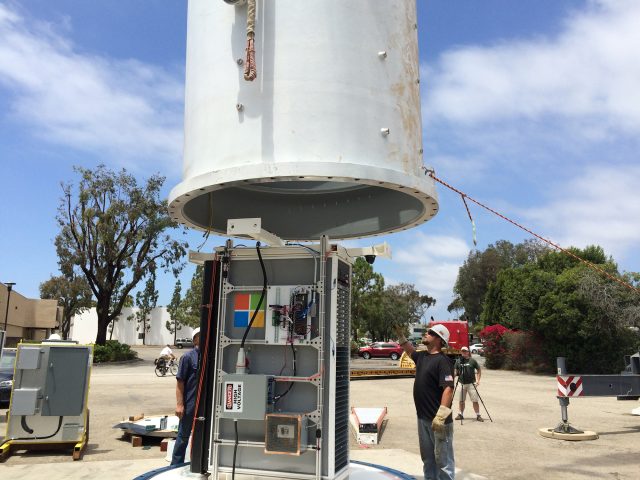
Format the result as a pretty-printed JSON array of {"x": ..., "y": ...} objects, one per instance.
[
  {"x": 588, "y": 74},
  {"x": 432, "y": 263},
  {"x": 121, "y": 108},
  {"x": 601, "y": 207}
]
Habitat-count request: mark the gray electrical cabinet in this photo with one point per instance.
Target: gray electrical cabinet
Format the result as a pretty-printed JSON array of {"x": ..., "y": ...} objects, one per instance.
[
  {"x": 66, "y": 381},
  {"x": 50, "y": 393},
  {"x": 289, "y": 401}
]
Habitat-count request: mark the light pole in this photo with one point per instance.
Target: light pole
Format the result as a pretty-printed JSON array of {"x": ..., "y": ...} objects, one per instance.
[{"x": 9, "y": 286}]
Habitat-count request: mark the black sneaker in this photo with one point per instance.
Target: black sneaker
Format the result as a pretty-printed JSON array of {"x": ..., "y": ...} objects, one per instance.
[
  {"x": 459, "y": 417},
  {"x": 479, "y": 418}
]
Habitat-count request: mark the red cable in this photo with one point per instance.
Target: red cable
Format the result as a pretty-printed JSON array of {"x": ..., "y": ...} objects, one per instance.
[
  {"x": 567, "y": 252},
  {"x": 206, "y": 348}
]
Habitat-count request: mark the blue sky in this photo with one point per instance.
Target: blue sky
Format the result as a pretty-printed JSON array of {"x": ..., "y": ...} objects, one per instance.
[{"x": 532, "y": 107}]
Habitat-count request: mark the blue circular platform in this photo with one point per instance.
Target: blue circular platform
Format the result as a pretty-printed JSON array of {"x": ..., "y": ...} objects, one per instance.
[{"x": 357, "y": 471}]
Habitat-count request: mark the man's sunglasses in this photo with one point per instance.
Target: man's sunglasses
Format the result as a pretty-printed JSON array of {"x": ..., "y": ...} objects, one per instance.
[{"x": 432, "y": 333}]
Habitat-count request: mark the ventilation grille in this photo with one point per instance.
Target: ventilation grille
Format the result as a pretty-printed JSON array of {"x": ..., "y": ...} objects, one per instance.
[
  {"x": 342, "y": 379},
  {"x": 343, "y": 316}
]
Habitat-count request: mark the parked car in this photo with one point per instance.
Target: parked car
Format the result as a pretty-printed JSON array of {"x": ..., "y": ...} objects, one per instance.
[
  {"x": 184, "y": 342},
  {"x": 381, "y": 349},
  {"x": 7, "y": 362},
  {"x": 477, "y": 348}
]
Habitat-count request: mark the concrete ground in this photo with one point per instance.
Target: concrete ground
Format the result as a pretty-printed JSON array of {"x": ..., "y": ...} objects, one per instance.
[{"x": 508, "y": 448}]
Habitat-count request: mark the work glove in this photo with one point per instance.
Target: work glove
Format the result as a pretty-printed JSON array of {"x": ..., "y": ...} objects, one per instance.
[{"x": 438, "y": 421}]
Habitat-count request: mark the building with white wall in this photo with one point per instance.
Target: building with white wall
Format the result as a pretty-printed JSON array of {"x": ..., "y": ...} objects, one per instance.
[{"x": 84, "y": 328}]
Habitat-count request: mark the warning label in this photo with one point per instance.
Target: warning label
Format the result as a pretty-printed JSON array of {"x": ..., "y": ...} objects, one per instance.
[{"x": 233, "y": 397}]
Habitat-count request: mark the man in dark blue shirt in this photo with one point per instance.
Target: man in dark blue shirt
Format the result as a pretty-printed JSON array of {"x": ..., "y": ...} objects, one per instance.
[{"x": 186, "y": 391}]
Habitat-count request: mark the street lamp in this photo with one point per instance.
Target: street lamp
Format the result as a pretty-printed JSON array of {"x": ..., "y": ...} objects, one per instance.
[{"x": 9, "y": 286}]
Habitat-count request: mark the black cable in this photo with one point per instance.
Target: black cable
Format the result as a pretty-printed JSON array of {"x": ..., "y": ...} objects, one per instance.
[
  {"x": 295, "y": 368},
  {"x": 235, "y": 450},
  {"x": 25, "y": 427},
  {"x": 23, "y": 424},
  {"x": 264, "y": 292},
  {"x": 315, "y": 252}
]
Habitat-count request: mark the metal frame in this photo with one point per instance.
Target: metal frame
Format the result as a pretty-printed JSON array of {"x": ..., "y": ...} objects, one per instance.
[
  {"x": 627, "y": 384},
  {"x": 328, "y": 258}
]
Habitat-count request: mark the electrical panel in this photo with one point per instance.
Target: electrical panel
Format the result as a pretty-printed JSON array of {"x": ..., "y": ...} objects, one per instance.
[
  {"x": 29, "y": 358},
  {"x": 64, "y": 388},
  {"x": 291, "y": 314},
  {"x": 285, "y": 433},
  {"x": 247, "y": 397},
  {"x": 25, "y": 401},
  {"x": 281, "y": 363},
  {"x": 50, "y": 393}
]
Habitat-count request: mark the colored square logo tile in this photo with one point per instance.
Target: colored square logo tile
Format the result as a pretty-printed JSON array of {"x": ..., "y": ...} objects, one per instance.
[
  {"x": 244, "y": 304},
  {"x": 241, "y": 301},
  {"x": 241, "y": 318}
]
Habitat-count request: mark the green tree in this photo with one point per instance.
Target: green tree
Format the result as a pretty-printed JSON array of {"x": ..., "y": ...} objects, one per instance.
[
  {"x": 480, "y": 269},
  {"x": 456, "y": 306},
  {"x": 376, "y": 309},
  {"x": 176, "y": 312},
  {"x": 577, "y": 312},
  {"x": 115, "y": 232},
  {"x": 146, "y": 301},
  {"x": 73, "y": 295},
  {"x": 193, "y": 298},
  {"x": 402, "y": 305},
  {"x": 127, "y": 302},
  {"x": 186, "y": 311},
  {"x": 366, "y": 297}
]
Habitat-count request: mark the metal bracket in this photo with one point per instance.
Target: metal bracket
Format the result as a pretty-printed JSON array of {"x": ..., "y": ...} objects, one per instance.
[
  {"x": 252, "y": 227},
  {"x": 381, "y": 250},
  {"x": 565, "y": 427}
]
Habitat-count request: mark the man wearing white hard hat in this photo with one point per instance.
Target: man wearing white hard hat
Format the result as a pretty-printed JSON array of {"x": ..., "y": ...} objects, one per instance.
[
  {"x": 433, "y": 396},
  {"x": 469, "y": 372},
  {"x": 186, "y": 391}
]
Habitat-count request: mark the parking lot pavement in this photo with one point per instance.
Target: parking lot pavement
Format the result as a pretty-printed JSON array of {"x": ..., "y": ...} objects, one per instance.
[
  {"x": 508, "y": 448},
  {"x": 98, "y": 470}
]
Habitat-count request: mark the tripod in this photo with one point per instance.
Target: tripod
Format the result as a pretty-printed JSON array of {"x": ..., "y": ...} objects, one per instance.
[
  {"x": 481, "y": 401},
  {"x": 453, "y": 399}
]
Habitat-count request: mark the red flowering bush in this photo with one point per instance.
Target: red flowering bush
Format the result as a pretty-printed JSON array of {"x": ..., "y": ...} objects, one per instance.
[
  {"x": 524, "y": 352},
  {"x": 495, "y": 348}
]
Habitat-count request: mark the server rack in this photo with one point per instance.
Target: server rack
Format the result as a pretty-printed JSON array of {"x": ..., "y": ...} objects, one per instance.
[{"x": 285, "y": 411}]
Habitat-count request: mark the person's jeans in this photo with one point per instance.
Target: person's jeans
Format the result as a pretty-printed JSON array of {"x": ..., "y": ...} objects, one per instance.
[
  {"x": 436, "y": 451},
  {"x": 180, "y": 447}
]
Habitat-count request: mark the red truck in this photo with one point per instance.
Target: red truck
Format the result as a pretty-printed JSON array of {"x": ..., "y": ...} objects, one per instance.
[{"x": 458, "y": 335}]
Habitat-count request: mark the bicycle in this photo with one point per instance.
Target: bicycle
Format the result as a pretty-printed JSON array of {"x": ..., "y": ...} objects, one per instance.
[{"x": 162, "y": 367}]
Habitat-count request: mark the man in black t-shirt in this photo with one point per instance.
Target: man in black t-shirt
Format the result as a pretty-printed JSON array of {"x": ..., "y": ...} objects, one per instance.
[{"x": 433, "y": 395}]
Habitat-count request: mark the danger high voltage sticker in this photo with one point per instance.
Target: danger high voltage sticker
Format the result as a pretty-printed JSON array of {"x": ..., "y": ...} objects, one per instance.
[{"x": 233, "y": 392}]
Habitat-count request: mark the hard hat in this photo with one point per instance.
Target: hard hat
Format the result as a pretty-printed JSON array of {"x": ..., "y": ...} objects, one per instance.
[
  {"x": 54, "y": 336},
  {"x": 195, "y": 332},
  {"x": 464, "y": 349},
  {"x": 441, "y": 331}
]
